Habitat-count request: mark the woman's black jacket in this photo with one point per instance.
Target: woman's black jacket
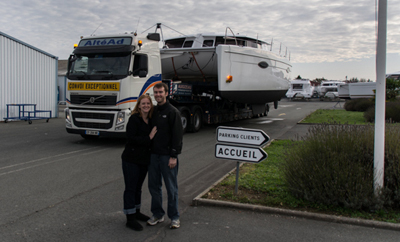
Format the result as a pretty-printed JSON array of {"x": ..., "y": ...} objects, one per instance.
[{"x": 137, "y": 148}]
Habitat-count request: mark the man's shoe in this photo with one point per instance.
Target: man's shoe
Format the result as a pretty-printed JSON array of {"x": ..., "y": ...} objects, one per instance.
[
  {"x": 153, "y": 220},
  {"x": 175, "y": 224}
]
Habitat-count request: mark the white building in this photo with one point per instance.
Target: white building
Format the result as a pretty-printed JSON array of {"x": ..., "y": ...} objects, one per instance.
[{"x": 28, "y": 75}]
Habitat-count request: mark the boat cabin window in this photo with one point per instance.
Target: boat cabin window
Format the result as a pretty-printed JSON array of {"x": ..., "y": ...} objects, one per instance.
[
  {"x": 188, "y": 44},
  {"x": 229, "y": 41},
  {"x": 175, "y": 43},
  {"x": 297, "y": 86},
  {"x": 221, "y": 41},
  {"x": 208, "y": 43},
  {"x": 252, "y": 43}
]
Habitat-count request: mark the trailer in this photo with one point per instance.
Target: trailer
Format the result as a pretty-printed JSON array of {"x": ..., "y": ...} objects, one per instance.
[{"x": 107, "y": 74}]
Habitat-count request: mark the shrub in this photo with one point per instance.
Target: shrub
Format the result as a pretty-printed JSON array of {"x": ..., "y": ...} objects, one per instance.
[
  {"x": 359, "y": 105},
  {"x": 392, "y": 113},
  {"x": 333, "y": 165},
  {"x": 392, "y": 166},
  {"x": 392, "y": 89},
  {"x": 369, "y": 115}
]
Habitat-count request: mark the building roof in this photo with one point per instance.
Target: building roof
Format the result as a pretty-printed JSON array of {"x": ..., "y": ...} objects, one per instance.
[{"x": 27, "y": 45}]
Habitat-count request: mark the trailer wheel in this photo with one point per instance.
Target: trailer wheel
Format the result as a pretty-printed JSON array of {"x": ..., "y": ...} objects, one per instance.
[
  {"x": 197, "y": 119},
  {"x": 185, "y": 120},
  {"x": 266, "y": 110}
]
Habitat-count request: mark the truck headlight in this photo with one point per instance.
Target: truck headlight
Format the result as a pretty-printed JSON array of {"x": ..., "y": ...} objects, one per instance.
[
  {"x": 120, "y": 118},
  {"x": 67, "y": 117}
]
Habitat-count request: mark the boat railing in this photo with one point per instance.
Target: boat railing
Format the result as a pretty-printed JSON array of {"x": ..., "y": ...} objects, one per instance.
[{"x": 226, "y": 35}]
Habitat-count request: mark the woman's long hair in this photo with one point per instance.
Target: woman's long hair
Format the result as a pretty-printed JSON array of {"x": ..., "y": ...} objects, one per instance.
[{"x": 137, "y": 110}]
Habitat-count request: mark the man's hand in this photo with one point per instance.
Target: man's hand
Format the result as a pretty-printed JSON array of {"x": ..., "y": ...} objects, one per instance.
[{"x": 172, "y": 162}]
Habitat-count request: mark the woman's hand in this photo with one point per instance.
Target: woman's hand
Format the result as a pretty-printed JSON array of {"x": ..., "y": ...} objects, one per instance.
[{"x": 153, "y": 132}]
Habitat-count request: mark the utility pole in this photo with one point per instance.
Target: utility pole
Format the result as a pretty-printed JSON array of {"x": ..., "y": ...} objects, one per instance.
[{"x": 380, "y": 107}]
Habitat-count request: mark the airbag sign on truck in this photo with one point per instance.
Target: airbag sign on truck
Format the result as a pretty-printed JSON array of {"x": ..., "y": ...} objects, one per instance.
[
  {"x": 93, "y": 86},
  {"x": 105, "y": 42}
]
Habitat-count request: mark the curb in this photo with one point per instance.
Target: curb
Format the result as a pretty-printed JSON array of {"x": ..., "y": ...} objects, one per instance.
[{"x": 198, "y": 201}]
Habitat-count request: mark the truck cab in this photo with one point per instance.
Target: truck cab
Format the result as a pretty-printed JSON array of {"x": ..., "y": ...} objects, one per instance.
[{"x": 106, "y": 75}]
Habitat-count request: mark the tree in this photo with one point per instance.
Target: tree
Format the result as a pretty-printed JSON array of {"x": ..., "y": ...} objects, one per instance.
[
  {"x": 353, "y": 79},
  {"x": 319, "y": 80},
  {"x": 392, "y": 89},
  {"x": 299, "y": 77}
]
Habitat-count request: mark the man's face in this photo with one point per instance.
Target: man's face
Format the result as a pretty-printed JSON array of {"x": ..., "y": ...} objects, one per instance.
[{"x": 160, "y": 95}]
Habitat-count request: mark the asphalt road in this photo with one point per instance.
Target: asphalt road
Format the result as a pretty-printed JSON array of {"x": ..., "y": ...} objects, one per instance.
[{"x": 55, "y": 186}]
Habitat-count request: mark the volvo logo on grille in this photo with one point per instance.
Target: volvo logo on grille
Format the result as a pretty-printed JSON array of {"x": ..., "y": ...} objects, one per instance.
[{"x": 92, "y": 99}]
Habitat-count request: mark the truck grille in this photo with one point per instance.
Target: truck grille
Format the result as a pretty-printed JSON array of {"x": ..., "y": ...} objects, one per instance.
[
  {"x": 105, "y": 116},
  {"x": 94, "y": 100}
]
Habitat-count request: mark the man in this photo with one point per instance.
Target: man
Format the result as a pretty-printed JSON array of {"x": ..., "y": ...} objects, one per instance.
[{"x": 166, "y": 146}]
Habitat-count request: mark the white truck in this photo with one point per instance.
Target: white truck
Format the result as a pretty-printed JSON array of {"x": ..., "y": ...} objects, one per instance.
[{"x": 107, "y": 74}]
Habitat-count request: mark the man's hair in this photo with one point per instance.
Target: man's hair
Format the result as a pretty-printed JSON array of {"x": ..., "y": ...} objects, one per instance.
[{"x": 161, "y": 85}]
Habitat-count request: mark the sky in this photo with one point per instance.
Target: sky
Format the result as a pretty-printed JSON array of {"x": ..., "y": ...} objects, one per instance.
[{"x": 327, "y": 39}]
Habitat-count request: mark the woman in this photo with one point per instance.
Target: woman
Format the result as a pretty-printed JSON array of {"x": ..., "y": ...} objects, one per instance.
[{"x": 136, "y": 158}]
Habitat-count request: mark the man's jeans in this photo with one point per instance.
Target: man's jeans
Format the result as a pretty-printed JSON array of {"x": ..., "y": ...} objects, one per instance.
[{"x": 159, "y": 169}]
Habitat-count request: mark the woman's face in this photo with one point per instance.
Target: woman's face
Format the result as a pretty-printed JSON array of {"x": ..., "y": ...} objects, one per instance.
[{"x": 145, "y": 105}]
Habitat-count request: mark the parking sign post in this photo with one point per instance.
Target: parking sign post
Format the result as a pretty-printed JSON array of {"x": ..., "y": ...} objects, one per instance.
[{"x": 242, "y": 145}]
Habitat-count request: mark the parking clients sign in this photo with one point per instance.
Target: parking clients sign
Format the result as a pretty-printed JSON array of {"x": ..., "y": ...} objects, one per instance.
[
  {"x": 244, "y": 144},
  {"x": 252, "y": 137}
]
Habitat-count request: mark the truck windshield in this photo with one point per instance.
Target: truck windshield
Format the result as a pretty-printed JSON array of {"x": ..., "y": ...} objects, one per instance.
[{"x": 107, "y": 66}]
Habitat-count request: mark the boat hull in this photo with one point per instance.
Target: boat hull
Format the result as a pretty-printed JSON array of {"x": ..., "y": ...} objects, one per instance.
[{"x": 258, "y": 76}]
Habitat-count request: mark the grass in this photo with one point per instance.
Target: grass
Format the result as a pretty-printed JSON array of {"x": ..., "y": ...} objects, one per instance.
[
  {"x": 334, "y": 116},
  {"x": 263, "y": 184}
]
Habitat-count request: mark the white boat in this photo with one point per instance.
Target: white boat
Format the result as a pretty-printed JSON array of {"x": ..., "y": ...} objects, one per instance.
[
  {"x": 300, "y": 89},
  {"x": 244, "y": 69},
  {"x": 357, "y": 90},
  {"x": 329, "y": 89}
]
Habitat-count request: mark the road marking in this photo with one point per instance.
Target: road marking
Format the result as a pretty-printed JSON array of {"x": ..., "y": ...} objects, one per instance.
[
  {"x": 282, "y": 114},
  {"x": 41, "y": 164},
  {"x": 270, "y": 120},
  {"x": 265, "y": 122},
  {"x": 32, "y": 161}
]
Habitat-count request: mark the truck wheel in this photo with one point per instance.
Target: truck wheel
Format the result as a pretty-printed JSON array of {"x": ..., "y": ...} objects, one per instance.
[
  {"x": 197, "y": 119},
  {"x": 266, "y": 110},
  {"x": 185, "y": 120}
]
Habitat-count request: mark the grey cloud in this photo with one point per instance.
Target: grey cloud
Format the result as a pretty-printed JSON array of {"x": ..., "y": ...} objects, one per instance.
[{"x": 313, "y": 30}]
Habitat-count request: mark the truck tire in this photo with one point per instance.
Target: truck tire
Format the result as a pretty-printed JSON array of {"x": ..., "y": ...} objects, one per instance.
[
  {"x": 266, "y": 110},
  {"x": 185, "y": 118},
  {"x": 196, "y": 121}
]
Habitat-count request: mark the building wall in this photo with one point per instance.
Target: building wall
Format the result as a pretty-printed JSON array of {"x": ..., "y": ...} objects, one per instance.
[{"x": 27, "y": 76}]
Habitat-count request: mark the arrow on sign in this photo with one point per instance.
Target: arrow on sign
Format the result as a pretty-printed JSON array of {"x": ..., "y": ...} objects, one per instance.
[
  {"x": 254, "y": 137},
  {"x": 241, "y": 153}
]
